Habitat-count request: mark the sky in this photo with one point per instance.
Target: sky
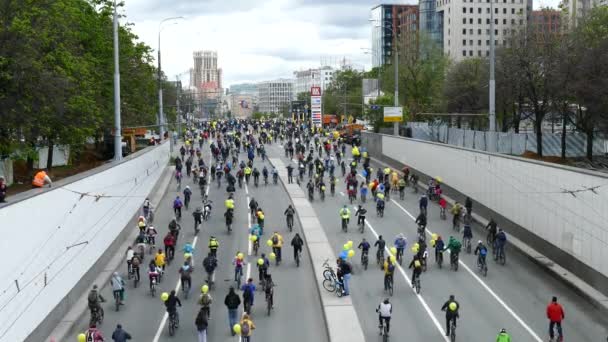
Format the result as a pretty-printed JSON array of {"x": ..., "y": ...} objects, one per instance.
[{"x": 258, "y": 40}]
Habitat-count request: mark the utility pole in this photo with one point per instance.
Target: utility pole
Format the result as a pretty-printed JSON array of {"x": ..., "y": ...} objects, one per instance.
[
  {"x": 492, "y": 85},
  {"x": 179, "y": 112},
  {"x": 396, "y": 124},
  {"x": 117, "y": 130}
]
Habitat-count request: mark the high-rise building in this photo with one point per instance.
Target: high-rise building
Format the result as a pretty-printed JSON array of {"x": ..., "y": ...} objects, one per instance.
[
  {"x": 431, "y": 21},
  {"x": 409, "y": 28},
  {"x": 206, "y": 77},
  {"x": 274, "y": 95},
  {"x": 466, "y": 25},
  {"x": 545, "y": 20},
  {"x": 575, "y": 10},
  {"x": 305, "y": 79},
  {"x": 385, "y": 28}
]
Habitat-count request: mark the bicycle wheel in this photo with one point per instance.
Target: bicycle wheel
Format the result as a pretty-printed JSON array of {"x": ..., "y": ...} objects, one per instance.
[
  {"x": 485, "y": 270},
  {"x": 385, "y": 333},
  {"x": 327, "y": 274},
  {"x": 171, "y": 327},
  {"x": 503, "y": 258},
  {"x": 418, "y": 286},
  {"x": 390, "y": 287},
  {"x": 329, "y": 285},
  {"x": 268, "y": 305},
  {"x": 297, "y": 259},
  {"x": 453, "y": 333}
]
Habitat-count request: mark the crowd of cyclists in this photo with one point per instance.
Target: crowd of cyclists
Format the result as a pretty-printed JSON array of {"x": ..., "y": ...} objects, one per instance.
[{"x": 317, "y": 157}]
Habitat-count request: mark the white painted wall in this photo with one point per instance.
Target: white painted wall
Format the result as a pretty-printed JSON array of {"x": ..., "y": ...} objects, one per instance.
[
  {"x": 529, "y": 193},
  {"x": 36, "y": 232}
]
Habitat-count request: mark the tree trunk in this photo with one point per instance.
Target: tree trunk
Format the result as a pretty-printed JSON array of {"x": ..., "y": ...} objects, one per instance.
[
  {"x": 517, "y": 117},
  {"x": 504, "y": 125},
  {"x": 49, "y": 158},
  {"x": 538, "y": 125},
  {"x": 564, "y": 120},
  {"x": 590, "y": 134}
]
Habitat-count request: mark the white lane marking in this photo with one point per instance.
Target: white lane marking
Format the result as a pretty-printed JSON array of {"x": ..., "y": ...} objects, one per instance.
[
  {"x": 481, "y": 282},
  {"x": 341, "y": 193},
  {"x": 408, "y": 283}
]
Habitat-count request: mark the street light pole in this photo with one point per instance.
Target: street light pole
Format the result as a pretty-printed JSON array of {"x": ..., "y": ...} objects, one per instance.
[
  {"x": 161, "y": 117},
  {"x": 117, "y": 130},
  {"x": 492, "y": 86}
]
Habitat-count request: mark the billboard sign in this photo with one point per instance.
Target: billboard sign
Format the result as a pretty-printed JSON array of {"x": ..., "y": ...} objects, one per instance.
[
  {"x": 393, "y": 114},
  {"x": 316, "y": 103}
]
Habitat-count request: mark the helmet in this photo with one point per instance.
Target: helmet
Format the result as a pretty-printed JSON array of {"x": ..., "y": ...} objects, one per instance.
[
  {"x": 503, "y": 330},
  {"x": 188, "y": 187},
  {"x": 479, "y": 242}
]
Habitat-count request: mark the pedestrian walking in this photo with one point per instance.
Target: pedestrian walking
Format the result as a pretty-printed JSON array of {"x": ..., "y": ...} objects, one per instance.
[
  {"x": 120, "y": 335},
  {"x": 201, "y": 323},
  {"x": 232, "y": 302},
  {"x": 555, "y": 314}
]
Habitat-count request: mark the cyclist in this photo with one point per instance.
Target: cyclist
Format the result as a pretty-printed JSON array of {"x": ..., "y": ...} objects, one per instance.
[
  {"x": 141, "y": 223},
  {"x": 439, "y": 247},
  {"x": 130, "y": 254},
  {"x": 297, "y": 244},
  {"x": 147, "y": 208},
  {"x": 503, "y": 336},
  {"x": 360, "y": 213},
  {"x": 93, "y": 334},
  {"x": 198, "y": 217},
  {"x": 153, "y": 272},
  {"x": 135, "y": 262},
  {"x": 384, "y": 310},
  {"x": 364, "y": 246},
  {"x": 95, "y": 299},
  {"x": 151, "y": 235},
  {"x": 205, "y": 301},
  {"x": 263, "y": 268},
  {"x": 118, "y": 287},
  {"x": 423, "y": 203},
  {"x": 456, "y": 212},
  {"x": 260, "y": 216},
  {"x": 169, "y": 242},
  {"x": 247, "y": 174},
  {"x": 171, "y": 304},
  {"x": 177, "y": 207},
  {"x": 389, "y": 271},
  {"x": 253, "y": 206},
  {"x": 454, "y": 246},
  {"x": 238, "y": 266},
  {"x": 247, "y": 328},
  {"x": 256, "y": 176},
  {"x": 265, "y": 174},
  {"x": 289, "y": 212},
  {"x": 416, "y": 266},
  {"x": 421, "y": 221},
  {"x": 248, "y": 293},
  {"x": 186, "y": 274},
  {"x": 269, "y": 289},
  {"x": 277, "y": 245},
  {"x": 400, "y": 243},
  {"x": 450, "y": 307},
  {"x": 174, "y": 228},
  {"x": 483, "y": 251},
  {"x": 467, "y": 221},
  {"x": 401, "y": 185},
  {"x": 492, "y": 229},
  {"x": 187, "y": 196},
  {"x": 159, "y": 259},
  {"x": 214, "y": 244},
  {"x": 501, "y": 241},
  {"x": 210, "y": 264},
  {"x": 345, "y": 214},
  {"x": 381, "y": 244}
]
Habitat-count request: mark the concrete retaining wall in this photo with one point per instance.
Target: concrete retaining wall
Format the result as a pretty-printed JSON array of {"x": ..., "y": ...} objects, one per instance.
[
  {"x": 560, "y": 211},
  {"x": 55, "y": 237}
]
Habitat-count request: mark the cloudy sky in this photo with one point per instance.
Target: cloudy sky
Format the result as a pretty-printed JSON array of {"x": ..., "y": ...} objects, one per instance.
[{"x": 258, "y": 39}]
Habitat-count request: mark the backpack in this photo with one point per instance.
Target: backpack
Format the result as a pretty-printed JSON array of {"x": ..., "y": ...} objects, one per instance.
[
  {"x": 247, "y": 294},
  {"x": 92, "y": 297},
  {"x": 391, "y": 267},
  {"x": 245, "y": 329},
  {"x": 275, "y": 239}
]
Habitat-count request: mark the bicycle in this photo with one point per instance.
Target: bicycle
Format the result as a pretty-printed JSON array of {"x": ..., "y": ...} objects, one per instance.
[
  {"x": 186, "y": 288},
  {"x": 256, "y": 246},
  {"x": 388, "y": 284},
  {"x": 417, "y": 284},
  {"x": 400, "y": 256},
  {"x": 380, "y": 211},
  {"x": 384, "y": 331},
  {"x": 334, "y": 285},
  {"x": 361, "y": 225},
  {"x": 290, "y": 223},
  {"x": 117, "y": 300},
  {"x": 364, "y": 260},
  {"x": 173, "y": 323},
  {"x": 153, "y": 287},
  {"x": 466, "y": 242},
  {"x": 482, "y": 266},
  {"x": 97, "y": 315},
  {"x": 268, "y": 301},
  {"x": 380, "y": 257},
  {"x": 500, "y": 255},
  {"x": 328, "y": 272},
  {"x": 345, "y": 225},
  {"x": 298, "y": 259},
  {"x": 238, "y": 274},
  {"x": 454, "y": 261},
  {"x": 453, "y": 330},
  {"x": 439, "y": 259}
]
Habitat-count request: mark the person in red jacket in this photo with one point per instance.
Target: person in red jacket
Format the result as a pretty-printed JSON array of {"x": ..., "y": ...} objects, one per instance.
[{"x": 555, "y": 314}]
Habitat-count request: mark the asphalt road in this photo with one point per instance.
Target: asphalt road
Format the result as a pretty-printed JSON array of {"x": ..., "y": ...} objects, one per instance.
[
  {"x": 296, "y": 315},
  {"x": 513, "y": 296}
]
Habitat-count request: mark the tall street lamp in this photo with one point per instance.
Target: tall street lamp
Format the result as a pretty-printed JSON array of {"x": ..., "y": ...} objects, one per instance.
[
  {"x": 395, "y": 124},
  {"x": 492, "y": 85},
  {"x": 161, "y": 117},
  {"x": 117, "y": 131}
]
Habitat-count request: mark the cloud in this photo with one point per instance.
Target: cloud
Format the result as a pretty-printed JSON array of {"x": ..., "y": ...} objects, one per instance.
[{"x": 158, "y": 9}]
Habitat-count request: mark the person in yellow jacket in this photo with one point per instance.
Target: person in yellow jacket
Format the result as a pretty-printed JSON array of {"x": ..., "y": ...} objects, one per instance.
[
  {"x": 247, "y": 174},
  {"x": 159, "y": 259},
  {"x": 40, "y": 179},
  {"x": 247, "y": 328},
  {"x": 277, "y": 245}
]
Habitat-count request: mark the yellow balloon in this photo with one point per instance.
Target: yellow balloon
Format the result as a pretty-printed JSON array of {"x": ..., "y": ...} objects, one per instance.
[
  {"x": 205, "y": 289},
  {"x": 82, "y": 337},
  {"x": 261, "y": 216},
  {"x": 350, "y": 243},
  {"x": 240, "y": 256},
  {"x": 351, "y": 253},
  {"x": 253, "y": 238},
  {"x": 394, "y": 250},
  {"x": 416, "y": 245},
  {"x": 434, "y": 236},
  {"x": 414, "y": 249},
  {"x": 164, "y": 296},
  {"x": 433, "y": 242},
  {"x": 236, "y": 328},
  {"x": 393, "y": 258},
  {"x": 187, "y": 256},
  {"x": 272, "y": 256},
  {"x": 345, "y": 247},
  {"x": 269, "y": 243},
  {"x": 260, "y": 261}
]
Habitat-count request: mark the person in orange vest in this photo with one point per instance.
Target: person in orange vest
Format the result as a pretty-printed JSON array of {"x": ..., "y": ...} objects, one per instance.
[{"x": 40, "y": 179}]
